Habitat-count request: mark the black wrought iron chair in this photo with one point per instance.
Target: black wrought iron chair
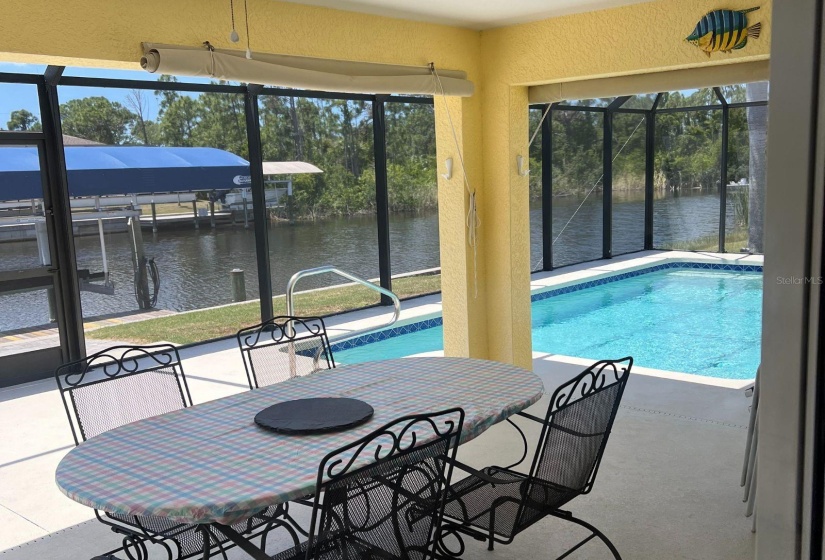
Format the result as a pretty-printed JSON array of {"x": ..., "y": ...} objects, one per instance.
[
  {"x": 383, "y": 495},
  {"x": 497, "y": 503},
  {"x": 284, "y": 347},
  {"x": 124, "y": 384}
]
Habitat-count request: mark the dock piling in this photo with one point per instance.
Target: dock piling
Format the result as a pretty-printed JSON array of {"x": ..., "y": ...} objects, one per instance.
[{"x": 238, "y": 285}]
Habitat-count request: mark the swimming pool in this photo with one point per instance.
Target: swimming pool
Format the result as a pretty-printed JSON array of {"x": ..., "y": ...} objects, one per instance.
[{"x": 684, "y": 317}]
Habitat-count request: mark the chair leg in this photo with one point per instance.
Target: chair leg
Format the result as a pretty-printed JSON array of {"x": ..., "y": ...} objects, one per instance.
[
  {"x": 752, "y": 459},
  {"x": 751, "y": 430},
  {"x": 752, "y": 490},
  {"x": 442, "y": 550},
  {"x": 567, "y": 516},
  {"x": 207, "y": 537},
  {"x": 134, "y": 548},
  {"x": 523, "y": 442}
]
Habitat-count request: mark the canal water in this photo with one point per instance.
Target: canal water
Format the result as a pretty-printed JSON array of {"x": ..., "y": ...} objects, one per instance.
[{"x": 194, "y": 265}]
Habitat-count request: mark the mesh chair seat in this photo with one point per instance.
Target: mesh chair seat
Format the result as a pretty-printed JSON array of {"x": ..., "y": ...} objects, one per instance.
[
  {"x": 343, "y": 548},
  {"x": 496, "y": 504},
  {"x": 383, "y": 494},
  {"x": 189, "y": 537},
  {"x": 470, "y": 500},
  {"x": 284, "y": 347},
  {"x": 125, "y": 384}
]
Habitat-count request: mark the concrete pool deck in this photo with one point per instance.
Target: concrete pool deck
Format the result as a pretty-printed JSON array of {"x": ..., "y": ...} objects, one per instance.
[{"x": 668, "y": 486}]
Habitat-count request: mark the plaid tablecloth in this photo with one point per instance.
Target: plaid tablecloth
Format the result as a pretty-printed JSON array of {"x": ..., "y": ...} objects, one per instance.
[{"x": 211, "y": 462}]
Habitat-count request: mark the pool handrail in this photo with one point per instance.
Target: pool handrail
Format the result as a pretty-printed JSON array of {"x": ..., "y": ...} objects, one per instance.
[{"x": 290, "y": 303}]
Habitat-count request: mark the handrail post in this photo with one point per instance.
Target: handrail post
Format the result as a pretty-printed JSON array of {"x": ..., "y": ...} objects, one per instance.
[{"x": 290, "y": 292}]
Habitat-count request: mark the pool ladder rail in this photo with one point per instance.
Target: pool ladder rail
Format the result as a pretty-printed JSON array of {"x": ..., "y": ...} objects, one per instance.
[{"x": 328, "y": 269}]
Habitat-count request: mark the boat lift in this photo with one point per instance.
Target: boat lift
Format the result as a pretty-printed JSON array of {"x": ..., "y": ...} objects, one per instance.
[
  {"x": 241, "y": 197},
  {"x": 89, "y": 281},
  {"x": 116, "y": 177}
]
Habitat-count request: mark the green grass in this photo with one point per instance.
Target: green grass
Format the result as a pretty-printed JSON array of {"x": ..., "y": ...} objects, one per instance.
[
  {"x": 206, "y": 324},
  {"x": 733, "y": 242},
  {"x": 172, "y": 208}
]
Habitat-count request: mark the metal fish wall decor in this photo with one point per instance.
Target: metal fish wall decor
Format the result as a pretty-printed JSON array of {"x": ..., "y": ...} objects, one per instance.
[{"x": 724, "y": 31}]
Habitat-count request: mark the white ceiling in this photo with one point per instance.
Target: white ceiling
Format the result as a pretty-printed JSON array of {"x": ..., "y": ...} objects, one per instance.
[{"x": 475, "y": 14}]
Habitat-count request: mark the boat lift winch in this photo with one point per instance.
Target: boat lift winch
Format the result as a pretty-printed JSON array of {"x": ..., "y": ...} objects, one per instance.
[{"x": 99, "y": 282}]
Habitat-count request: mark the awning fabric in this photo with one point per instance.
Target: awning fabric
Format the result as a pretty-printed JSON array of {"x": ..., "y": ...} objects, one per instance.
[
  {"x": 106, "y": 170},
  {"x": 654, "y": 82},
  {"x": 302, "y": 72},
  {"x": 289, "y": 168}
]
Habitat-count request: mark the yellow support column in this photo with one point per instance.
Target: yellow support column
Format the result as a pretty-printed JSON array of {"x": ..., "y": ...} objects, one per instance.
[
  {"x": 505, "y": 215},
  {"x": 458, "y": 130},
  {"x": 486, "y": 291}
]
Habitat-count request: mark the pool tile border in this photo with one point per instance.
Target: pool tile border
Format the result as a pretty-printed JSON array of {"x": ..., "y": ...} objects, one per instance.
[
  {"x": 641, "y": 271},
  {"x": 538, "y": 296},
  {"x": 384, "y": 334}
]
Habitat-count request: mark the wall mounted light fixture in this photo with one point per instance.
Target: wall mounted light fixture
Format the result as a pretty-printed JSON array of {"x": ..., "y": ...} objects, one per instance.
[
  {"x": 449, "y": 165},
  {"x": 520, "y": 166}
]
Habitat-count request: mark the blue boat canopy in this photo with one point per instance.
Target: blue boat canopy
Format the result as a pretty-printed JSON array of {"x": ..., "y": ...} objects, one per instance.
[{"x": 118, "y": 170}]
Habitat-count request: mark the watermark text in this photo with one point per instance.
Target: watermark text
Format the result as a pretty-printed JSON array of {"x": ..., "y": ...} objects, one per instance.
[{"x": 799, "y": 280}]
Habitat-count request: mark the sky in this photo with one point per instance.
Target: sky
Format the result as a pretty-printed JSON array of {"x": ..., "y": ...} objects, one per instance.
[{"x": 24, "y": 96}]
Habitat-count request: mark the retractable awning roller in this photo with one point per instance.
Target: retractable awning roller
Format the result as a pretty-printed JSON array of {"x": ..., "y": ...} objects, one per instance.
[{"x": 302, "y": 72}]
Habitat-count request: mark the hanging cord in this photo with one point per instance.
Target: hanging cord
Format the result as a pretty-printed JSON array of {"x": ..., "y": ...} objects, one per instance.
[
  {"x": 246, "y": 14},
  {"x": 211, "y": 50},
  {"x": 538, "y": 128},
  {"x": 473, "y": 221},
  {"x": 593, "y": 188}
]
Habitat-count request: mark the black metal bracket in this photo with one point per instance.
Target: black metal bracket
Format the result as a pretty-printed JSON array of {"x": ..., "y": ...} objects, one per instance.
[{"x": 53, "y": 74}]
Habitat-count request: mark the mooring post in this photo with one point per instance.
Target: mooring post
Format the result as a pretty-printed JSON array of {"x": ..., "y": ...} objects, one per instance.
[
  {"x": 195, "y": 212},
  {"x": 154, "y": 218},
  {"x": 52, "y": 301},
  {"x": 238, "y": 285},
  {"x": 212, "y": 213}
]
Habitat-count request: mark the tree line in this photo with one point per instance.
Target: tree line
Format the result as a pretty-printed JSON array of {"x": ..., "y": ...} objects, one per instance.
[
  {"x": 687, "y": 150},
  {"x": 335, "y": 135},
  {"x": 687, "y": 146}
]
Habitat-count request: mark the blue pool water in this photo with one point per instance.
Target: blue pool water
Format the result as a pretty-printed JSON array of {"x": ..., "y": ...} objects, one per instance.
[{"x": 705, "y": 322}]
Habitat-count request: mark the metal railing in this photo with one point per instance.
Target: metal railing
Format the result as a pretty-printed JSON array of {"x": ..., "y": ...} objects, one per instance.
[{"x": 290, "y": 290}]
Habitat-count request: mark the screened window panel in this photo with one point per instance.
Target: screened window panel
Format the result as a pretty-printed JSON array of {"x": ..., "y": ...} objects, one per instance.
[
  {"x": 577, "y": 186},
  {"x": 629, "y": 137},
  {"x": 687, "y": 176}
]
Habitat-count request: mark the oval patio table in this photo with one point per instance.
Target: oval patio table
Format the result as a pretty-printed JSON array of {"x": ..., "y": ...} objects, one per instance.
[{"x": 211, "y": 463}]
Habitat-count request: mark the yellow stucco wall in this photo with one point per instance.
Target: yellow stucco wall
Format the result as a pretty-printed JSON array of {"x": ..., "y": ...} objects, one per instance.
[
  {"x": 111, "y": 31},
  {"x": 492, "y": 126},
  {"x": 632, "y": 39},
  {"x": 463, "y": 283}
]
